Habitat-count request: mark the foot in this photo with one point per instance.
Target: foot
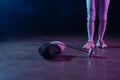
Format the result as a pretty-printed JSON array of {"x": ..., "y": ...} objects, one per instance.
[
  {"x": 101, "y": 44},
  {"x": 89, "y": 45}
]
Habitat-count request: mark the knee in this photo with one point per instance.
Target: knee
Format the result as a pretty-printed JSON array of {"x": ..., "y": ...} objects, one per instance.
[
  {"x": 91, "y": 15},
  {"x": 90, "y": 19},
  {"x": 104, "y": 19}
]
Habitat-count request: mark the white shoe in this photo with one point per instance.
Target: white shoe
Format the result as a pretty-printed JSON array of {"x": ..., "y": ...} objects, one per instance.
[
  {"x": 101, "y": 44},
  {"x": 89, "y": 45}
]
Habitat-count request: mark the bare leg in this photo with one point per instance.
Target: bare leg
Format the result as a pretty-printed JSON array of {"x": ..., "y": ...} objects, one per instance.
[
  {"x": 91, "y": 13},
  {"x": 103, "y": 10}
]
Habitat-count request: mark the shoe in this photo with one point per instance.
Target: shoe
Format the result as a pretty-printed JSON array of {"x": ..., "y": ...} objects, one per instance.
[
  {"x": 101, "y": 44},
  {"x": 89, "y": 45}
]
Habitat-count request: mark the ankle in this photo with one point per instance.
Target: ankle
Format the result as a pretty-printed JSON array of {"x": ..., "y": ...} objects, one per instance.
[
  {"x": 90, "y": 41},
  {"x": 100, "y": 41}
]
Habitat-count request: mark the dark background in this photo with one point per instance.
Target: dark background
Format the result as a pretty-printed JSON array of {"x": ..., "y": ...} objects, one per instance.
[{"x": 18, "y": 17}]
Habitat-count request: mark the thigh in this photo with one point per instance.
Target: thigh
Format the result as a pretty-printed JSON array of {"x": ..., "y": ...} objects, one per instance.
[
  {"x": 103, "y": 8},
  {"x": 91, "y": 8}
]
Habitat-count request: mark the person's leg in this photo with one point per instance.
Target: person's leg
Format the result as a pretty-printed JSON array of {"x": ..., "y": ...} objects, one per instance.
[
  {"x": 103, "y": 10},
  {"x": 91, "y": 13}
]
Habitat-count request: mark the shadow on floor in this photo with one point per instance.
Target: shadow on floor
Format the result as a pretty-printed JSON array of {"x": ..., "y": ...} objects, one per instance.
[{"x": 70, "y": 57}]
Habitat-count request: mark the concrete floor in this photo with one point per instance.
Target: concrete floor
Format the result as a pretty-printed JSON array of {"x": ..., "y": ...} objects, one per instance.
[{"x": 20, "y": 60}]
